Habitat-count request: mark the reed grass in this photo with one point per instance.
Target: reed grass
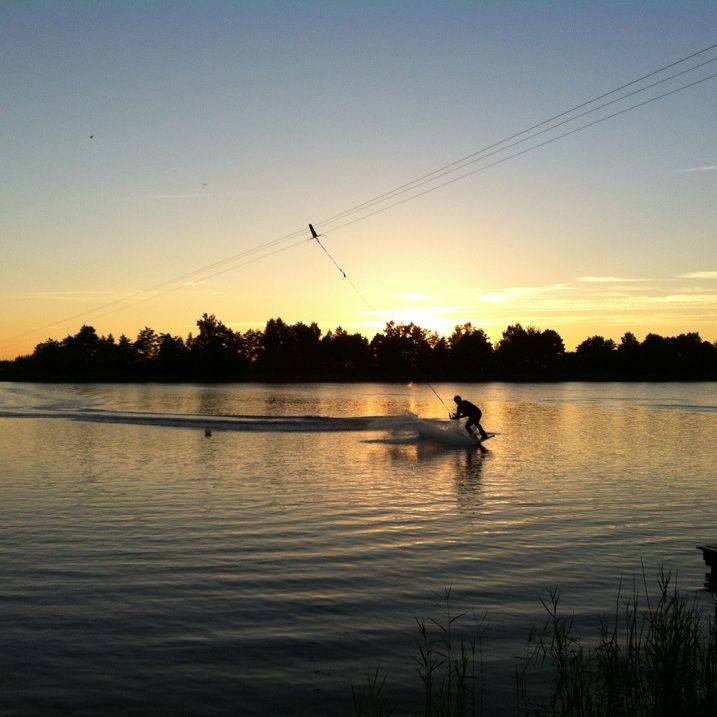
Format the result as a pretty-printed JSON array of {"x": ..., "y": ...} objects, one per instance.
[
  {"x": 449, "y": 664},
  {"x": 655, "y": 656},
  {"x": 371, "y": 702}
]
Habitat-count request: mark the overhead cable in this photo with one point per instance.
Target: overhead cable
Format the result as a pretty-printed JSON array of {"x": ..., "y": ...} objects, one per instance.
[
  {"x": 279, "y": 244},
  {"x": 521, "y": 152}
]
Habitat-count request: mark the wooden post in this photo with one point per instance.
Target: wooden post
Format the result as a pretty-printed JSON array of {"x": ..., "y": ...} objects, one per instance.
[{"x": 709, "y": 555}]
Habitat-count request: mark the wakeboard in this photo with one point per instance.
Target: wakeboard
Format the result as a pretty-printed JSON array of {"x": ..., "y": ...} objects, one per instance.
[{"x": 477, "y": 435}]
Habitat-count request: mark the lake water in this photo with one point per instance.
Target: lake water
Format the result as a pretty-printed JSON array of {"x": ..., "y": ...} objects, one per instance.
[{"x": 264, "y": 569}]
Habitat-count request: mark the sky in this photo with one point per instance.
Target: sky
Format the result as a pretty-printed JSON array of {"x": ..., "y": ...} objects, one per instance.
[{"x": 161, "y": 160}]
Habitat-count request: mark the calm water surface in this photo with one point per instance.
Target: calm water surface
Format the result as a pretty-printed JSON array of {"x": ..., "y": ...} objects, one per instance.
[{"x": 264, "y": 569}]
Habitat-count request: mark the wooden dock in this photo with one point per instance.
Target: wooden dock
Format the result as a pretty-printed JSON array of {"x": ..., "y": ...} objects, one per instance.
[{"x": 709, "y": 555}]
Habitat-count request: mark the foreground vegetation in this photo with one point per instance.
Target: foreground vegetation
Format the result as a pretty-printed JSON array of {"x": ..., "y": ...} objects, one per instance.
[
  {"x": 401, "y": 352},
  {"x": 655, "y": 657}
]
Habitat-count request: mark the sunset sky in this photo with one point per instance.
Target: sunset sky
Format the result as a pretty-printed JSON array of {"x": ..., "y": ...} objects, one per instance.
[{"x": 142, "y": 144}]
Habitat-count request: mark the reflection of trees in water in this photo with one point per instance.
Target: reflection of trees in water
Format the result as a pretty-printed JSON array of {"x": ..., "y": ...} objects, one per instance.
[{"x": 211, "y": 402}]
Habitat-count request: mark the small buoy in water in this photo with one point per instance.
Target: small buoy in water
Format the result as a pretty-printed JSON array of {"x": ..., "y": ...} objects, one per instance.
[{"x": 207, "y": 432}]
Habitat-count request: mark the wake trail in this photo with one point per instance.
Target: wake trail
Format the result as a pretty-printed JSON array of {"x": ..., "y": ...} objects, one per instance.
[{"x": 406, "y": 428}]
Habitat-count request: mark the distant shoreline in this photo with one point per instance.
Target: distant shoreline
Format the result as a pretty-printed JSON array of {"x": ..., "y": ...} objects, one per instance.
[
  {"x": 297, "y": 381},
  {"x": 302, "y": 353}
]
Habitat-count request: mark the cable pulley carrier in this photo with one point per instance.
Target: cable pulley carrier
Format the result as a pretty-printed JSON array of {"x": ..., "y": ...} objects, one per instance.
[{"x": 315, "y": 237}]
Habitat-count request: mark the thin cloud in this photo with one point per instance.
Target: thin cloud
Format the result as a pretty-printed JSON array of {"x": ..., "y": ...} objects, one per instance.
[
  {"x": 703, "y": 298},
  {"x": 606, "y": 280},
  {"x": 699, "y": 275},
  {"x": 706, "y": 168},
  {"x": 432, "y": 310},
  {"x": 512, "y": 290},
  {"x": 514, "y": 293}
]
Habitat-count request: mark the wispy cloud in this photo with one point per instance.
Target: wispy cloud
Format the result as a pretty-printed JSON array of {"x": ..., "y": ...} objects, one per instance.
[
  {"x": 606, "y": 280},
  {"x": 599, "y": 303},
  {"x": 702, "y": 298},
  {"x": 699, "y": 275},
  {"x": 594, "y": 300},
  {"x": 515, "y": 293},
  {"x": 706, "y": 168},
  {"x": 428, "y": 310},
  {"x": 574, "y": 309}
]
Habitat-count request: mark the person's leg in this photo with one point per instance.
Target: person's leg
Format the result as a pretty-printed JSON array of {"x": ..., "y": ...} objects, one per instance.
[
  {"x": 468, "y": 425},
  {"x": 476, "y": 423}
]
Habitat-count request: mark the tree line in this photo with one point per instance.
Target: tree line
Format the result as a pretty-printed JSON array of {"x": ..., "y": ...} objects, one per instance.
[{"x": 401, "y": 352}]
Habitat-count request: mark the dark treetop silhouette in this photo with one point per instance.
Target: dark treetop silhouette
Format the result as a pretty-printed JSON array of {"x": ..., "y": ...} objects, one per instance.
[{"x": 401, "y": 352}]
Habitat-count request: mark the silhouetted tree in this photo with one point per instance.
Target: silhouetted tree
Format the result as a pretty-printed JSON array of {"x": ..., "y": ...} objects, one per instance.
[
  {"x": 596, "y": 358},
  {"x": 48, "y": 356},
  {"x": 290, "y": 351},
  {"x": 251, "y": 346},
  {"x": 125, "y": 347},
  {"x": 305, "y": 349},
  {"x": 346, "y": 355},
  {"x": 471, "y": 353},
  {"x": 401, "y": 351},
  {"x": 676, "y": 357},
  {"x": 172, "y": 355},
  {"x": 440, "y": 359},
  {"x": 692, "y": 357},
  {"x": 81, "y": 348},
  {"x": 146, "y": 345},
  {"x": 628, "y": 356},
  {"x": 529, "y": 354},
  {"x": 275, "y": 352},
  {"x": 215, "y": 351}
]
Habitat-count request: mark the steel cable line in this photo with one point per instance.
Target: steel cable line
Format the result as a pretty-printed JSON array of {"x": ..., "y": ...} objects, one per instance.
[
  {"x": 234, "y": 258},
  {"x": 415, "y": 182},
  {"x": 149, "y": 292},
  {"x": 316, "y": 237},
  {"x": 467, "y": 160},
  {"x": 343, "y": 273},
  {"x": 522, "y": 152},
  {"x": 496, "y": 148},
  {"x": 227, "y": 260},
  {"x": 181, "y": 286},
  {"x": 209, "y": 276},
  {"x": 445, "y": 170}
]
